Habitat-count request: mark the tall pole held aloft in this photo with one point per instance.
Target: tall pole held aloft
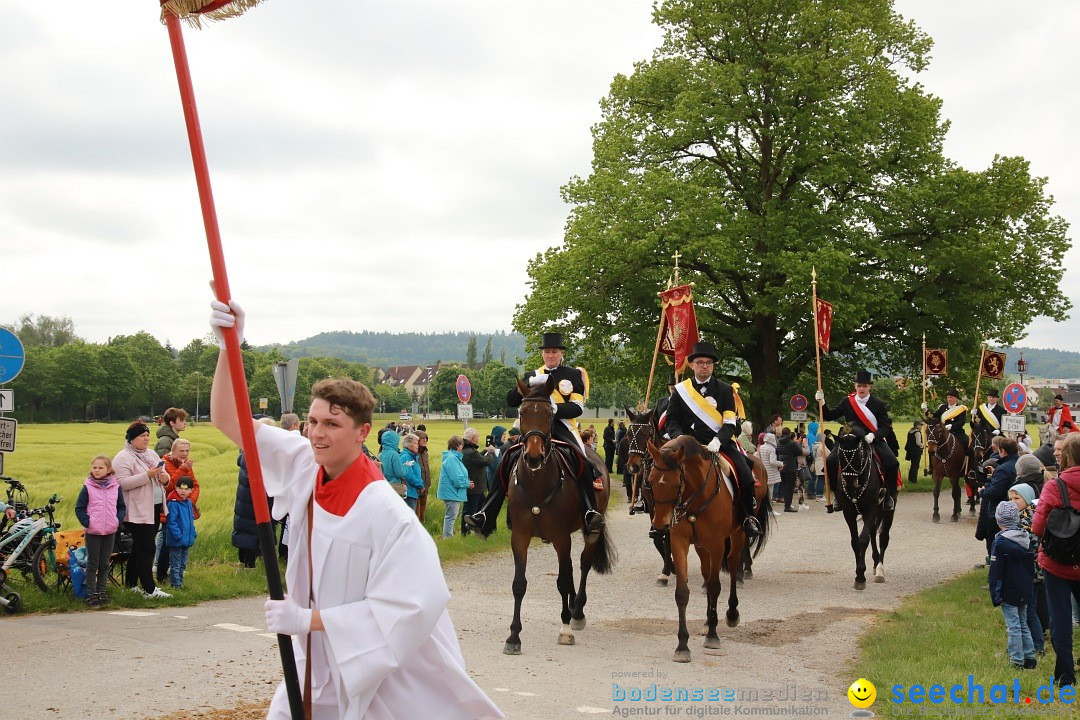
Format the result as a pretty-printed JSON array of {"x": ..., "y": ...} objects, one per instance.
[
  {"x": 817, "y": 360},
  {"x": 978, "y": 381},
  {"x": 925, "y": 458},
  {"x": 235, "y": 360}
]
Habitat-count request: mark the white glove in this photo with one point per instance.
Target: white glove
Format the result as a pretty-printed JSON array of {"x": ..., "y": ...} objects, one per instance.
[
  {"x": 949, "y": 426},
  {"x": 869, "y": 438},
  {"x": 285, "y": 617},
  {"x": 714, "y": 445},
  {"x": 820, "y": 396},
  {"x": 537, "y": 380},
  {"x": 923, "y": 406},
  {"x": 997, "y": 432},
  {"x": 223, "y": 316},
  {"x": 554, "y": 405}
]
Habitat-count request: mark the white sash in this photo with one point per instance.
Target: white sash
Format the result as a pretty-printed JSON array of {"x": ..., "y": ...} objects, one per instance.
[{"x": 864, "y": 412}]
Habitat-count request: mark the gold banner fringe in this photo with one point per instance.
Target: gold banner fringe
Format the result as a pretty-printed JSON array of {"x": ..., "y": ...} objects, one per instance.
[{"x": 191, "y": 11}]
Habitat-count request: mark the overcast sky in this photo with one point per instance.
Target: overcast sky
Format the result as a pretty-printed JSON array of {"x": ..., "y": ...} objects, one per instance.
[{"x": 392, "y": 165}]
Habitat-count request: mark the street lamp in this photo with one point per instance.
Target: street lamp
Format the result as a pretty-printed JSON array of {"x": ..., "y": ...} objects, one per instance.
[{"x": 1021, "y": 367}]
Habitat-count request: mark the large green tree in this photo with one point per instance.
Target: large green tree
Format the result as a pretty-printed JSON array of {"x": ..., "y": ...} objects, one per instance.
[{"x": 763, "y": 139}]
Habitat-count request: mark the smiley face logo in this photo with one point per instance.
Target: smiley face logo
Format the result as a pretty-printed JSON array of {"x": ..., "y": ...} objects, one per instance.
[{"x": 862, "y": 693}]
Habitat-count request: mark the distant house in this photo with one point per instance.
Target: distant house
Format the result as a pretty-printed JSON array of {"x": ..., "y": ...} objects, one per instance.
[{"x": 403, "y": 376}]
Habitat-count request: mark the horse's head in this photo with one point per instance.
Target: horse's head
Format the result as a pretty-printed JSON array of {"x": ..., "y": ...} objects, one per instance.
[
  {"x": 534, "y": 418},
  {"x": 665, "y": 481},
  {"x": 981, "y": 436},
  {"x": 936, "y": 434},
  {"x": 850, "y": 436},
  {"x": 638, "y": 434},
  {"x": 853, "y": 451}
]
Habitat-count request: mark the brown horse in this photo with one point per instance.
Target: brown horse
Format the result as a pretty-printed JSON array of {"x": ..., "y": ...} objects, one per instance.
[
  {"x": 947, "y": 459},
  {"x": 692, "y": 500},
  {"x": 638, "y": 461},
  {"x": 543, "y": 501}
]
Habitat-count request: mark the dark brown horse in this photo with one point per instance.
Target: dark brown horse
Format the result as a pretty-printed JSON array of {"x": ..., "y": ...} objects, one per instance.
[
  {"x": 693, "y": 501},
  {"x": 543, "y": 501},
  {"x": 641, "y": 431},
  {"x": 947, "y": 459},
  {"x": 861, "y": 494}
]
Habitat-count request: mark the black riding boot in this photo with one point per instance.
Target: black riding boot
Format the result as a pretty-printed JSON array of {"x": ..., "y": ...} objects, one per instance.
[
  {"x": 751, "y": 526},
  {"x": 593, "y": 520},
  {"x": 483, "y": 521},
  {"x": 894, "y": 474}
]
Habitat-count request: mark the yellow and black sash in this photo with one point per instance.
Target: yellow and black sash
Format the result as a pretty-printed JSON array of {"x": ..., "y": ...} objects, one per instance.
[
  {"x": 570, "y": 423},
  {"x": 949, "y": 415},
  {"x": 989, "y": 417},
  {"x": 701, "y": 408}
]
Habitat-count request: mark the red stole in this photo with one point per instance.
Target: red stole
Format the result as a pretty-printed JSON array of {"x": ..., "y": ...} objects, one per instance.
[{"x": 339, "y": 495}]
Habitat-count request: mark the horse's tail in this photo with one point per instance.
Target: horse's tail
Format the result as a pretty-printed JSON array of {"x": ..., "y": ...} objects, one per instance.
[
  {"x": 767, "y": 521},
  {"x": 604, "y": 554}
]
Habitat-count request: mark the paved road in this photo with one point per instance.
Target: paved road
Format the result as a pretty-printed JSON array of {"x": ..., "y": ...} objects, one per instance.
[{"x": 800, "y": 623}]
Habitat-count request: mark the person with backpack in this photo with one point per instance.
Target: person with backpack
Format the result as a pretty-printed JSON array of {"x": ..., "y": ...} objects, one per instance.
[{"x": 1061, "y": 571}]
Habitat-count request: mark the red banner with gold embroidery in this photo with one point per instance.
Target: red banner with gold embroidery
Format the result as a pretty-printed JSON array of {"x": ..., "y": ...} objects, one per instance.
[
  {"x": 823, "y": 317},
  {"x": 935, "y": 361},
  {"x": 679, "y": 331},
  {"x": 993, "y": 365}
]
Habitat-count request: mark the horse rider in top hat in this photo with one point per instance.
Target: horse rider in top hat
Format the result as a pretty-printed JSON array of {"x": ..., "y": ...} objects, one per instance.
[
  {"x": 952, "y": 414},
  {"x": 872, "y": 415},
  {"x": 704, "y": 406},
  {"x": 568, "y": 399},
  {"x": 990, "y": 413}
]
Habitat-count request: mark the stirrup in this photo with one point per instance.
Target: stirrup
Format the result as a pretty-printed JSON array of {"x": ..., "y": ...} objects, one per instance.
[
  {"x": 475, "y": 521},
  {"x": 889, "y": 504},
  {"x": 594, "y": 521},
  {"x": 751, "y": 526}
]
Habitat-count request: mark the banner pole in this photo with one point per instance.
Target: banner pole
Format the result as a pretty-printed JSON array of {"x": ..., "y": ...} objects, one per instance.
[
  {"x": 656, "y": 352},
  {"x": 817, "y": 360},
  {"x": 926, "y": 458},
  {"x": 264, "y": 527}
]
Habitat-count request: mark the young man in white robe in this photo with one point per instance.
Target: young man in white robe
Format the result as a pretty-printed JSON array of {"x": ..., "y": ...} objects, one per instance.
[{"x": 382, "y": 642}]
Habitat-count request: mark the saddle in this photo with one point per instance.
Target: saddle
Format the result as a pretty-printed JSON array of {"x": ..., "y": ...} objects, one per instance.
[{"x": 576, "y": 461}]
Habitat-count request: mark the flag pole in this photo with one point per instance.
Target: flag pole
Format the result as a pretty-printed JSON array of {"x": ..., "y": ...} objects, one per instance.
[
  {"x": 817, "y": 360},
  {"x": 978, "y": 381},
  {"x": 926, "y": 460},
  {"x": 233, "y": 355},
  {"x": 656, "y": 352}
]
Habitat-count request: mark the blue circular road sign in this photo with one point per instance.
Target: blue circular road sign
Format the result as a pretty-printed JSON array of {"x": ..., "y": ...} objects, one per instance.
[{"x": 12, "y": 356}]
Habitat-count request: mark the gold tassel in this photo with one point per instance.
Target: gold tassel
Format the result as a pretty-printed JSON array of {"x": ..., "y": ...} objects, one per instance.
[
  {"x": 739, "y": 409},
  {"x": 192, "y": 11}
]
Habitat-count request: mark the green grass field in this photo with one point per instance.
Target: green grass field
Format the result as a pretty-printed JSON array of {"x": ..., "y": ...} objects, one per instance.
[{"x": 56, "y": 459}]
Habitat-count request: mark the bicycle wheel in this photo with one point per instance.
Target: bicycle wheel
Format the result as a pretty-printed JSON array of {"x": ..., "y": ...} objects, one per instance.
[{"x": 44, "y": 566}]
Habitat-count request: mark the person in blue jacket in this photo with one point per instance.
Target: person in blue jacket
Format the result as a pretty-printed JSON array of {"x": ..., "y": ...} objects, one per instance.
[
  {"x": 1012, "y": 584},
  {"x": 179, "y": 529},
  {"x": 410, "y": 461},
  {"x": 453, "y": 484},
  {"x": 390, "y": 457},
  {"x": 996, "y": 491}
]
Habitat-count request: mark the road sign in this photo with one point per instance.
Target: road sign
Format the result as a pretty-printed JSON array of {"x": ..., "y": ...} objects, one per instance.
[
  {"x": 464, "y": 389},
  {"x": 1013, "y": 423},
  {"x": 8, "y": 426},
  {"x": 798, "y": 416},
  {"x": 264, "y": 403},
  {"x": 7, "y": 401},
  {"x": 798, "y": 403},
  {"x": 285, "y": 379},
  {"x": 1, "y": 463},
  {"x": 12, "y": 356},
  {"x": 1014, "y": 398},
  {"x": 464, "y": 411}
]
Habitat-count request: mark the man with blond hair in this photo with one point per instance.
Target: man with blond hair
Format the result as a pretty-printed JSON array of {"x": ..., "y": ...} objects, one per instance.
[{"x": 367, "y": 603}]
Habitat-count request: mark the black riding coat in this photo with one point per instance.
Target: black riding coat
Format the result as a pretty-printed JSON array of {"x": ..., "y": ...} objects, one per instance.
[
  {"x": 885, "y": 443},
  {"x": 565, "y": 410},
  {"x": 957, "y": 422},
  {"x": 681, "y": 420}
]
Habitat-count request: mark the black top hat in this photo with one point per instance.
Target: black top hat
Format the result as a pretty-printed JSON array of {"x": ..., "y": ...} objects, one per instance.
[
  {"x": 863, "y": 377},
  {"x": 954, "y": 392},
  {"x": 992, "y": 393},
  {"x": 552, "y": 340},
  {"x": 703, "y": 349}
]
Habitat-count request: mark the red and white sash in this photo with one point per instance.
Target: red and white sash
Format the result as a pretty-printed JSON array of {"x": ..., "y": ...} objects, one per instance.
[{"x": 863, "y": 413}]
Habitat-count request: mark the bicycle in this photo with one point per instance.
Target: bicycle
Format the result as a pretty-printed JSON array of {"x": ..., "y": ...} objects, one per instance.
[
  {"x": 30, "y": 547},
  {"x": 17, "y": 498}
]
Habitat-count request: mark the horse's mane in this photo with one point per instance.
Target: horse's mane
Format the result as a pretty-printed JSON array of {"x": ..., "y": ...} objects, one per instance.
[
  {"x": 538, "y": 391},
  {"x": 687, "y": 443}
]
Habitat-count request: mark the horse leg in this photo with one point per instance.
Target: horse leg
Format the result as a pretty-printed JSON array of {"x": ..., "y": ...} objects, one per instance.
[
  {"x": 937, "y": 492},
  {"x": 519, "y": 542},
  {"x": 956, "y": 499},
  {"x": 712, "y": 593},
  {"x": 565, "y": 583},
  {"x": 858, "y": 545},
  {"x": 662, "y": 543},
  {"x": 878, "y": 557},
  {"x": 883, "y": 542},
  {"x": 733, "y": 597},
  {"x": 577, "y": 618},
  {"x": 682, "y": 597}
]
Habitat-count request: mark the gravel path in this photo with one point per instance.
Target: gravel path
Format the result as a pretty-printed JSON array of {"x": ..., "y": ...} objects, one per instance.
[{"x": 801, "y": 620}]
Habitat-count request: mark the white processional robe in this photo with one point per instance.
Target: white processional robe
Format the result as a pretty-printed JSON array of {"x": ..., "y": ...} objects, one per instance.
[{"x": 389, "y": 649}]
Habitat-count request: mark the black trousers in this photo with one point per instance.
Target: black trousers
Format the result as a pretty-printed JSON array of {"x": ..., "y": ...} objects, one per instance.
[
  {"x": 788, "y": 481},
  {"x": 141, "y": 561},
  {"x": 913, "y": 471}
]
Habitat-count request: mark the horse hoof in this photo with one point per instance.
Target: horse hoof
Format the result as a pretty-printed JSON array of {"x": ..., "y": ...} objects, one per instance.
[
  {"x": 937, "y": 518},
  {"x": 712, "y": 643},
  {"x": 512, "y": 649},
  {"x": 661, "y": 580},
  {"x": 740, "y": 582},
  {"x": 565, "y": 636},
  {"x": 956, "y": 517},
  {"x": 682, "y": 656},
  {"x": 732, "y": 620},
  {"x": 879, "y": 578},
  {"x": 748, "y": 574},
  {"x": 576, "y": 624},
  {"x": 860, "y": 584}
]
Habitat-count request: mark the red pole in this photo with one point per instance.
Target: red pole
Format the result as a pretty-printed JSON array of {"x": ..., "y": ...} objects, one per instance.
[{"x": 267, "y": 541}]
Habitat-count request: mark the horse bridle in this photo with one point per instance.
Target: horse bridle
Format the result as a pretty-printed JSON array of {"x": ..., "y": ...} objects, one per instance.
[
  {"x": 680, "y": 509},
  {"x": 947, "y": 445},
  {"x": 548, "y": 448},
  {"x": 646, "y": 458}
]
